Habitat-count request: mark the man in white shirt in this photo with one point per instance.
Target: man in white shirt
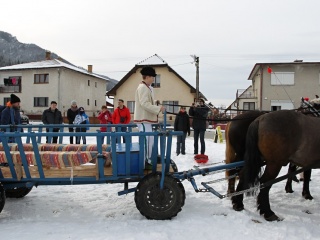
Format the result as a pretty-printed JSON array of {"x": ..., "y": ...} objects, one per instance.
[{"x": 146, "y": 112}]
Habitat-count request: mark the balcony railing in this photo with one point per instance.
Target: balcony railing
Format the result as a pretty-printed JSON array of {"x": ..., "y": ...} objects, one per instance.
[
  {"x": 10, "y": 89},
  {"x": 245, "y": 94}
]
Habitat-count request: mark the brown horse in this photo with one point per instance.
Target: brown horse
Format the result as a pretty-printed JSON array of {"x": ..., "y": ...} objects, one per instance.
[
  {"x": 235, "y": 134},
  {"x": 235, "y": 149},
  {"x": 276, "y": 139}
]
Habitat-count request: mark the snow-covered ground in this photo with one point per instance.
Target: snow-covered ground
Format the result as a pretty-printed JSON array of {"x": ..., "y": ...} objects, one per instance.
[{"x": 97, "y": 212}]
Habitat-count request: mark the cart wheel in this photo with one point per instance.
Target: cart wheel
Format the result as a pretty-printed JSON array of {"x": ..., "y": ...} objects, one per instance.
[
  {"x": 174, "y": 166},
  {"x": 172, "y": 163},
  {"x": 18, "y": 192},
  {"x": 154, "y": 203},
  {"x": 2, "y": 197}
]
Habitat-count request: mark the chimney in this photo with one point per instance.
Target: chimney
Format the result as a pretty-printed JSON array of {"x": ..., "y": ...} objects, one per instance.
[
  {"x": 90, "y": 68},
  {"x": 48, "y": 55}
]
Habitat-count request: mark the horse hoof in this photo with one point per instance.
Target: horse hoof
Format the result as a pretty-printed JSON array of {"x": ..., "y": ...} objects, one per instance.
[
  {"x": 307, "y": 196},
  {"x": 273, "y": 218},
  {"x": 237, "y": 207}
]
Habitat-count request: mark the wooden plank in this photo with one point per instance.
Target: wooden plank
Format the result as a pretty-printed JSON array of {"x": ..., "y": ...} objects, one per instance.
[
  {"x": 76, "y": 171},
  {"x": 7, "y": 173},
  {"x": 18, "y": 168}
]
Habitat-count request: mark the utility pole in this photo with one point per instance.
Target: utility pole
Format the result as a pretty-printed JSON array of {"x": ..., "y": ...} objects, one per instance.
[{"x": 196, "y": 60}]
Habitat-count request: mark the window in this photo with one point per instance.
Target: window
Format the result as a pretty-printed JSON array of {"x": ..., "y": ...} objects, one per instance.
[
  {"x": 40, "y": 102},
  {"x": 156, "y": 82},
  {"x": 41, "y": 78},
  {"x": 130, "y": 105},
  {"x": 88, "y": 82},
  {"x": 282, "y": 78},
  {"x": 95, "y": 103},
  {"x": 281, "y": 105},
  {"x": 96, "y": 84},
  {"x": 275, "y": 108},
  {"x": 88, "y": 102},
  {"x": 171, "y": 106},
  {"x": 11, "y": 84},
  {"x": 5, "y": 100},
  {"x": 248, "y": 106},
  {"x": 12, "y": 81}
]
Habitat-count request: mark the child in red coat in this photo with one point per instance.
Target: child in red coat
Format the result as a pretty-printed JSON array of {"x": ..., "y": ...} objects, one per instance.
[
  {"x": 105, "y": 117},
  {"x": 121, "y": 115}
]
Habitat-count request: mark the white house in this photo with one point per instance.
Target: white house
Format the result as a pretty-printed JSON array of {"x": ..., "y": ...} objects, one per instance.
[
  {"x": 39, "y": 83},
  {"x": 276, "y": 86},
  {"x": 169, "y": 87}
]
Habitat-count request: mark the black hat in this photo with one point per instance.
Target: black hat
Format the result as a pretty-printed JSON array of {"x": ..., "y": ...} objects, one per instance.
[
  {"x": 14, "y": 98},
  {"x": 148, "y": 71},
  {"x": 81, "y": 109}
]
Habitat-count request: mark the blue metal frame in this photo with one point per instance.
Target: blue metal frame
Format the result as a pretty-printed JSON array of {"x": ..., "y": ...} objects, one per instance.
[
  {"x": 34, "y": 137},
  {"x": 204, "y": 171},
  {"x": 162, "y": 137}
]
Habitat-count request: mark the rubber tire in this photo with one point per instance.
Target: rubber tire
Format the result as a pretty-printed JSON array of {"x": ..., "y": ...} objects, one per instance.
[
  {"x": 2, "y": 197},
  {"x": 157, "y": 204},
  {"x": 17, "y": 192},
  {"x": 172, "y": 163},
  {"x": 174, "y": 166}
]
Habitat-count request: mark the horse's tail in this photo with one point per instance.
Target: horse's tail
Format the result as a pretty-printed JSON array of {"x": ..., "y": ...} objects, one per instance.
[
  {"x": 252, "y": 158},
  {"x": 230, "y": 152}
]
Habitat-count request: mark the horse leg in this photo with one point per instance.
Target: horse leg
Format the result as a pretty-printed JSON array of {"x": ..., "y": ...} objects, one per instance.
[
  {"x": 237, "y": 201},
  {"x": 231, "y": 185},
  {"x": 230, "y": 158},
  {"x": 305, "y": 191},
  {"x": 270, "y": 173},
  {"x": 288, "y": 186},
  {"x": 232, "y": 181}
]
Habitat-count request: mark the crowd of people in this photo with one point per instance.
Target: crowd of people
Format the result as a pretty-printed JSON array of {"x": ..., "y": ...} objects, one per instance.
[
  {"x": 77, "y": 116},
  {"x": 146, "y": 113},
  {"x": 10, "y": 115}
]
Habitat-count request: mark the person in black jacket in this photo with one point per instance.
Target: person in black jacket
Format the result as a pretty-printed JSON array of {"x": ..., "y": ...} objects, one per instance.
[
  {"x": 11, "y": 115},
  {"x": 71, "y": 114},
  {"x": 52, "y": 116},
  {"x": 182, "y": 123},
  {"x": 199, "y": 112}
]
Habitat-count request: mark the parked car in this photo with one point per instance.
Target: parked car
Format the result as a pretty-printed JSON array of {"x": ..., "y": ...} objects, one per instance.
[{"x": 24, "y": 118}]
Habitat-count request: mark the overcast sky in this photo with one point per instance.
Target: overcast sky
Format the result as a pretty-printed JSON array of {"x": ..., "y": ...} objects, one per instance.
[{"x": 229, "y": 36}]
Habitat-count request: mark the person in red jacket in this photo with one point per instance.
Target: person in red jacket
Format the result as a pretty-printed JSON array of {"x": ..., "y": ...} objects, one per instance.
[
  {"x": 105, "y": 117},
  {"x": 121, "y": 115}
]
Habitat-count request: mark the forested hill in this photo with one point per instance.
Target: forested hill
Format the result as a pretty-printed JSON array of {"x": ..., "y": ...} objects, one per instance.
[{"x": 14, "y": 52}]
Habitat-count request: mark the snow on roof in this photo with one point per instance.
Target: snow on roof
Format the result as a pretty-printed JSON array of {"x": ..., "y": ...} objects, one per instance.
[
  {"x": 153, "y": 60},
  {"x": 53, "y": 63}
]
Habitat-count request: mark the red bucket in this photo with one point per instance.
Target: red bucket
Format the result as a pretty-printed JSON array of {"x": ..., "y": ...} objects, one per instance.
[{"x": 201, "y": 158}]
